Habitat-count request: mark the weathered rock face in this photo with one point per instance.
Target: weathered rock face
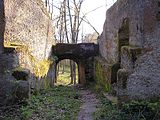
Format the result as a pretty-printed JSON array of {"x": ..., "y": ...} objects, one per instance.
[
  {"x": 2, "y": 25},
  {"x": 145, "y": 79},
  {"x": 28, "y": 22},
  {"x": 28, "y": 37},
  {"x": 131, "y": 38}
]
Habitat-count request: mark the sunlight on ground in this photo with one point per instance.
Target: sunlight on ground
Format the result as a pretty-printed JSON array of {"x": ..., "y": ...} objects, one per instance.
[
  {"x": 64, "y": 76},
  {"x": 63, "y": 79}
]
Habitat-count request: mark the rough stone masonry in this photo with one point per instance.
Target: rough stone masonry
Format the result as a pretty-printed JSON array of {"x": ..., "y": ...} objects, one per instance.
[
  {"x": 130, "y": 49},
  {"x": 26, "y": 38}
]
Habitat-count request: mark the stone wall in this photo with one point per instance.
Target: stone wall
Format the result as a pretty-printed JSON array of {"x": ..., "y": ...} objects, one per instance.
[
  {"x": 2, "y": 25},
  {"x": 102, "y": 73},
  {"x": 28, "y": 38},
  {"x": 145, "y": 79},
  {"x": 130, "y": 39},
  {"x": 2, "y": 28},
  {"x": 29, "y": 24}
]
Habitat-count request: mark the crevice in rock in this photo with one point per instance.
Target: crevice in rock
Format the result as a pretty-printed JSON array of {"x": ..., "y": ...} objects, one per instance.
[{"x": 20, "y": 75}]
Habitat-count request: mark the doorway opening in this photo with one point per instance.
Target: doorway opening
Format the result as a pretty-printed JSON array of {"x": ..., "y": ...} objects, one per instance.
[
  {"x": 67, "y": 72},
  {"x": 123, "y": 37},
  {"x": 123, "y": 40}
]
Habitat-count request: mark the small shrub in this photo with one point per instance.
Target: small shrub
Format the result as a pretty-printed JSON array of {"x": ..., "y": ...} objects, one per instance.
[{"x": 26, "y": 112}]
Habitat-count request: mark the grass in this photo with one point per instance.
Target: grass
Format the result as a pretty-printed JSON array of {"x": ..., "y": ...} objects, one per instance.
[
  {"x": 134, "y": 110},
  {"x": 64, "y": 78},
  {"x": 58, "y": 103}
]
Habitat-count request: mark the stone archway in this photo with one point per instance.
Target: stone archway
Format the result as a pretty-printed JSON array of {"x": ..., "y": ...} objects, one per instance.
[
  {"x": 81, "y": 63},
  {"x": 79, "y": 53}
]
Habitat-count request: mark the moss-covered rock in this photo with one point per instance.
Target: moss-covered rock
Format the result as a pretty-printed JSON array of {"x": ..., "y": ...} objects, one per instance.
[
  {"x": 102, "y": 79},
  {"x": 131, "y": 50},
  {"x": 129, "y": 57},
  {"x": 122, "y": 76}
]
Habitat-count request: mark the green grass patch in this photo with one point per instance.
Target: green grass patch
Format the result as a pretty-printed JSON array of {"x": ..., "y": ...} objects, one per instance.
[
  {"x": 58, "y": 103},
  {"x": 134, "y": 110},
  {"x": 64, "y": 77}
]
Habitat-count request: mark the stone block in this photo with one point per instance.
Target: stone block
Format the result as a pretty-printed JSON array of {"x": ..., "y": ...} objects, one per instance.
[
  {"x": 122, "y": 77},
  {"x": 21, "y": 90},
  {"x": 129, "y": 55}
]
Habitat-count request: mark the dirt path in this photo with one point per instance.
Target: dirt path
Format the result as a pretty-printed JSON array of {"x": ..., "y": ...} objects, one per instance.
[{"x": 89, "y": 105}]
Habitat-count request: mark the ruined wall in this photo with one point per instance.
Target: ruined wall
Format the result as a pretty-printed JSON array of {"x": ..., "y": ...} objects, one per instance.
[
  {"x": 144, "y": 82},
  {"x": 121, "y": 10},
  {"x": 2, "y": 25},
  {"x": 28, "y": 38},
  {"x": 130, "y": 39},
  {"x": 103, "y": 82},
  {"x": 29, "y": 24}
]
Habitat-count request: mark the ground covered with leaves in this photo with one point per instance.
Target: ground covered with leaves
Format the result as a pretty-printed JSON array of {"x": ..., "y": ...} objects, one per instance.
[
  {"x": 134, "y": 110},
  {"x": 58, "y": 103},
  {"x": 72, "y": 103}
]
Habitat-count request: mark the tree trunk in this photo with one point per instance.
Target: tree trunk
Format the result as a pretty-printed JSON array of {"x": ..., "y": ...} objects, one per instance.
[
  {"x": 74, "y": 72},
  {"x": 57, "y": 72},
  {"x": 71, "y": 72}
]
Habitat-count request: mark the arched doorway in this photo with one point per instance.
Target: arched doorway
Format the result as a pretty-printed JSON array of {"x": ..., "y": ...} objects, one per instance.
[
  {"x": 123, "y": 36},
  {"x": 82, "y": 54},
  {"x": 67, "y": 72},
  {"x": 123, "y": 40}
]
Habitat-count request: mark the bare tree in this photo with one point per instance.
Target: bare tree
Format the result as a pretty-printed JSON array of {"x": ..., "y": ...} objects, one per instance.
[{"x": 68, "y": 24}]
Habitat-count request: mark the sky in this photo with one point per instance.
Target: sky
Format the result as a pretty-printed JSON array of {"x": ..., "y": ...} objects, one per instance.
[{"x": 97, "y": 17}]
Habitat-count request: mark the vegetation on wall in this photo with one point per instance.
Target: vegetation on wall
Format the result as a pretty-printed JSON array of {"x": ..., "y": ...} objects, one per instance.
[
  {"x": 37, "y": 68},
  {"x": 131, "y": 50},
  {"x": 101, "y": 83},
  {"x": 40, "y": 67}
]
